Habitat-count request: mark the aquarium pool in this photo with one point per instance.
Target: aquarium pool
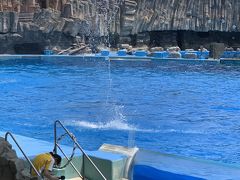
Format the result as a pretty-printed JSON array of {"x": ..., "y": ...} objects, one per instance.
[{"x": 189, "y": 109}]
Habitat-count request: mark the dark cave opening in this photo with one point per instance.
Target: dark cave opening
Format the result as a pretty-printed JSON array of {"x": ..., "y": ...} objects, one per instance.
[
  {"x": 28, "y": 48},
  {"x": 180, "y": 39},
  {"x": 43, "y": 4},
  {"x": 193, "y": 40}
]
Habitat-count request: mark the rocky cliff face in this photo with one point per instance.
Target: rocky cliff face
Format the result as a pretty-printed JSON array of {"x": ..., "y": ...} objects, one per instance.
[
  {"x": 11, "y": 168},
  {"x": 195, "y": 15},
  {"x": 171, "y": 22},
  {"x": 60, "y": 23}
]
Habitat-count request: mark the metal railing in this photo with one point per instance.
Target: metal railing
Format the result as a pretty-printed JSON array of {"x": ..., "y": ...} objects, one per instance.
[
  {"x": 29, "y": 161},
  {"x": 79, "y": 147}
]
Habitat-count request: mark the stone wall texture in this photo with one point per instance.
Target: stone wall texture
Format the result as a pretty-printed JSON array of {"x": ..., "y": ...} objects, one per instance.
[
  {"x": 60, "y": 23},
  {"x": 11, "y": 168},
  {"x": 196, "y": 15}
]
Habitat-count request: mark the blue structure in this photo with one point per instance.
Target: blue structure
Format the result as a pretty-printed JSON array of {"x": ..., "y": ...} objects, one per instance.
[
  {"x": 231, "y": 54},
  {"x": 105, "y": 52},
  {"x": 140, "y": 53},
  {"x": 203, "y": 54},
  {"x": 160, "y": 54},
  {"x": 122, "y": 52},
  {"x": 199, "y": 54},
  {"x": 48, "y": 52},
  {"x": 165, "y": 54}
]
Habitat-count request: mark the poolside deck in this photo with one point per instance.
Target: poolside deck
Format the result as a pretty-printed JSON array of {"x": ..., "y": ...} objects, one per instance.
[
  {"x": 110, "y": 164},
  {"x": 164, "y": 164}
]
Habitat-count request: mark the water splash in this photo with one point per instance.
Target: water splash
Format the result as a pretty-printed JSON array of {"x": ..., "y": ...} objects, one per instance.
[
  {"x": 131, "y": 138},
  {"x": 116, "y": 120},
  {"x": 110, "y": 125}
]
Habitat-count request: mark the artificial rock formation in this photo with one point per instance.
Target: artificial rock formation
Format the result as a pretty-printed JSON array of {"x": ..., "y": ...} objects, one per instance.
[
  {"x": 60, "y": 23},
  {"x": 11, "y": 168},
  {"x": 195, "y": 15},
  {"x": 141, "y": 17},
  {"x": 30, "y": 26}
]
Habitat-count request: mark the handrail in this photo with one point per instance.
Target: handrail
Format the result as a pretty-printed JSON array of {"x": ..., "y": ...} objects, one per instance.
[
  {"x": 32, "y": 166},
  {"x": 75, "y": 141},
  {"x": 74, "y": 167}
]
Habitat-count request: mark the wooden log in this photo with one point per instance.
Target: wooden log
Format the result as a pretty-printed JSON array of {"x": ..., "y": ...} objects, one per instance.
[
  {"x": 77, "y": 50},
  {"x": 64, "y": 51}
]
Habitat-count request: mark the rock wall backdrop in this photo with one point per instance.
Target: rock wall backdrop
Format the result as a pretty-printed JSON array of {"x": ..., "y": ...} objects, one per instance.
[
  {"x": 11, "y": 167},
  {"x": 58, "y": 24}
]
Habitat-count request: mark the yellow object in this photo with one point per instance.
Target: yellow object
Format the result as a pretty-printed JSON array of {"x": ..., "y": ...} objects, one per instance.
[{"x": 42, "y": 162}]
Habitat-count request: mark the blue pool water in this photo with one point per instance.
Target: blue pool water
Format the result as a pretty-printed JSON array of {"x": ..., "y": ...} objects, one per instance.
[{"x": 179, "y": 108}]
